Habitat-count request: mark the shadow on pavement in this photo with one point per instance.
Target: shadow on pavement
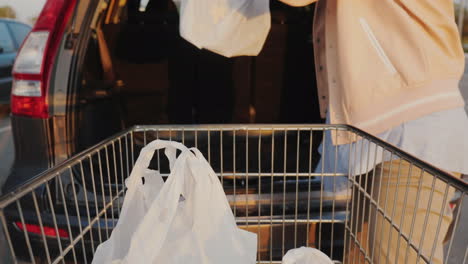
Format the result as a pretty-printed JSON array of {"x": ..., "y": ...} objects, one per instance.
[{"x": 6, "y": 143}]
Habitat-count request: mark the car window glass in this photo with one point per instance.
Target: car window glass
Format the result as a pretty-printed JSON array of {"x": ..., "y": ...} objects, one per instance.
[
  {"x": 19, "y": 32},
  {"x": 6, "y": 43}
]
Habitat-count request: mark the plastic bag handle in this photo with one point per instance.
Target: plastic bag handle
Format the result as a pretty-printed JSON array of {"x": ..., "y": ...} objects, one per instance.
[
  {"x": 163, "y": 210},
  {"x": 146, "y": 154},
  {"x": 201, "y": 158},
  {"x": 213, "y": 176}
]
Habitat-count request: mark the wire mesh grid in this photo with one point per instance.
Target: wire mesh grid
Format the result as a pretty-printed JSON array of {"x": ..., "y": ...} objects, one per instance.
[{"x": 367, "y": 202}]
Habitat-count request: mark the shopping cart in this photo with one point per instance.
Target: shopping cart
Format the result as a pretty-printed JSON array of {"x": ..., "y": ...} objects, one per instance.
[{"x": 275, "y": 182}]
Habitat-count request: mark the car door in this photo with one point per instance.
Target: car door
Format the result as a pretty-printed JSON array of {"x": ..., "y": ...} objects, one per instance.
[{"x": 7, "y": 58}]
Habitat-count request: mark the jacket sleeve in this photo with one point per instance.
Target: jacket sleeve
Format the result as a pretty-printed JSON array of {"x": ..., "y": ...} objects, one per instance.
[{"x": 298, "y": 2}]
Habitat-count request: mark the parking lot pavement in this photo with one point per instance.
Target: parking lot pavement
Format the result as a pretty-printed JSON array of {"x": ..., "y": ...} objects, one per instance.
[
  {"x": 6, "y": 143},
  {"x": 6, "y": 161}
]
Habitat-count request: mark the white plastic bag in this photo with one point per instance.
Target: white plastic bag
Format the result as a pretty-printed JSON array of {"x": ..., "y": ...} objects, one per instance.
[
  {"x": 227, "y": 27},
  {"x": 306, "y": 255},
  {"x": 187, "y": 219}
]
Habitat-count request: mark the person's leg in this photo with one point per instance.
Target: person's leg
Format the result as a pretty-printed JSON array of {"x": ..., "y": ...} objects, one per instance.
[{"x": 412, "y": 204}]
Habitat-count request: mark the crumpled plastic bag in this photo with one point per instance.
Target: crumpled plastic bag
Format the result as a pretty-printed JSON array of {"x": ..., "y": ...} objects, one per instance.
[
  {"x": 227, "y": 27},
  {"x": 185, "y": 219},
  {"x": 306, "y": 255}
]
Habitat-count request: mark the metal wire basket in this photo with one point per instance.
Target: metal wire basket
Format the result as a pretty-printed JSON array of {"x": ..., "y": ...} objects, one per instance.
[{"x": 277, "y": 185}]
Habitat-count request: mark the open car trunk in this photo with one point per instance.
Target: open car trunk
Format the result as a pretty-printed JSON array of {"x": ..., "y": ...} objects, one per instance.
[{"x": 138, "y": 70}]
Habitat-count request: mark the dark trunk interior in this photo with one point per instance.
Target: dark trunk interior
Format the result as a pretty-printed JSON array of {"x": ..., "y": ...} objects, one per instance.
[{"x": 162, "y": 79}]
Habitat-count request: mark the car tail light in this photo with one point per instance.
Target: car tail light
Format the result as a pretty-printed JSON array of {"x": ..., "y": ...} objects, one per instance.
[
  {"x": 48, "y": 231},
  {"x": 33, "y": 65}
]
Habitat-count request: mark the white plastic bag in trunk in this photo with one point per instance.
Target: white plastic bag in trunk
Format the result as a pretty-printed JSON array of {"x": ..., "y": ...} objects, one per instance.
[
  {"x": 227, "y": 27},
  {"x": 187, "y": 219}
]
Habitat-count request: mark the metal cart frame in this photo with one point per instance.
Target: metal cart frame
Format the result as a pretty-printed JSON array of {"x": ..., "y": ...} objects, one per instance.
[{"x": 272, "y": 175}]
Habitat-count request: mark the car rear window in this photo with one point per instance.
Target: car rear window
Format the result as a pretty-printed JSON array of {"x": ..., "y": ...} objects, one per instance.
[
  {"x": 6, "y": 43},
  {"x": 19, "y": 32}
]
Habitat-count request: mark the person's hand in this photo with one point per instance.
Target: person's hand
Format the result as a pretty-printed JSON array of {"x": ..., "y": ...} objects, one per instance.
[{"x": 298, "y": 2}]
